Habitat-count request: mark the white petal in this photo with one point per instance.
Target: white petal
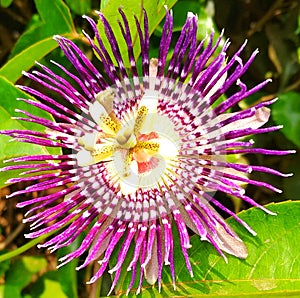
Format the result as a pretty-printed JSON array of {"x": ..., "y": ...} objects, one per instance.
[
  {"x": 97, "y": 110},
  {"x": 167, "y": 148},
  {"x": 130, "y": 184},
  {"x": 106, "y": 98},
  {"x": 84, "y": 158},
  {"x": 150, "y": 101},
  {"x": 89, "y": 140}
]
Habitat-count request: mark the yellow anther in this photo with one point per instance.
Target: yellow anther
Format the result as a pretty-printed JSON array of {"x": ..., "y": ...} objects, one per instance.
[
  {"x": 108, "y": 123},
  {"x": 140, "y": 119},
  {"x": 148, "y": 145},
  {"x": 103, "y": 152},
  {"x": 114, "y": 118},
  {"x": 102, "y": 112}
]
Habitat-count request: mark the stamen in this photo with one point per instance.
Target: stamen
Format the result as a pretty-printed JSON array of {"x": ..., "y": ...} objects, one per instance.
[
  {"x": 140, "y": 119},
  {"x": 148, "y": 145},
  {"x": 111, "y": 125},
  {"x": 102, "y": 152},
  {"x": 102, "y": 112},
  {"x": 89, "y": 140},
  {"x": 85, "y": 157}
]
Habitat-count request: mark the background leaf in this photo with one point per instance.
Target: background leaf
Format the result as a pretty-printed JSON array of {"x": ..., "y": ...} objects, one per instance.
[
  {"x": 20, "y": 274},
  {"x": 5, "y": 3},
  {"x": 199, "y": 8},
  {"x": 52, "y": 289},
  {"x": 286, "y": 112},
  {"x": 103, "y": 3},
  {"x": 4, "y": 266},
  {"x": 80, "y": 6},
  {"x": 67, "y": 275},
  {"x": 272, "y": 26},
  {"x": 12, "y": 70},
  {"x": 271, "y": 269},
  {"x": 48, "y": 286},
  {"x": 54, "y": 18}
]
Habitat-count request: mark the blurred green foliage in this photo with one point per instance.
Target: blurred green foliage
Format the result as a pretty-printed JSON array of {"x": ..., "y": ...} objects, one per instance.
[{"x": 271, "y": 26}]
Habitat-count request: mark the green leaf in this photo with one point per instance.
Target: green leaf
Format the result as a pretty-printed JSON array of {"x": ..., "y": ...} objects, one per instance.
[
  {"x": 67, "y": 274},
  {"x": 55, "y": 13},
  {"x": 80, "y": 6},
  {"x": 53, "y": 18},
  {"x": 205, "y": 21},
  {"x": 103, "y": 3},
  {"x": 9, "y": 291},
  {"x": 270, "y": 270},
  {"x": 47, "y": 286},
  {"x": 155, "y": 11},
  {"x": 4, "y": 266},
  {"x": 5, "y": 3},
  {"x": 12, "y": 70},
  {"x": 286, "y": 112},
  {"x": 201, "y": 9},
  {"x": 53, "y": 289},
  {"x": 8, "y": 104},
  {"x": 180, "y": 11},
  {"x": 22, "y": 270}
]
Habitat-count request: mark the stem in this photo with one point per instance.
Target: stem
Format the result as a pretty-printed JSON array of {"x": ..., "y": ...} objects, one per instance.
[
  {"x": 32, "y": 243},
  {"x": 268, "y": 15},
  {"x": 96, "y": 286},
  {"x": 12, "y": 236},
  {"x": 25, "y": 247}
]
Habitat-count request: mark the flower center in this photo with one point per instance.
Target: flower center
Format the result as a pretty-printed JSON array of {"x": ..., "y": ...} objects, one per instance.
[{"x": 138, "y": 152}]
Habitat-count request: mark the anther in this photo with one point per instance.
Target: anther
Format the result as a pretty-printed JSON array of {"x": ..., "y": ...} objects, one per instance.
[{"x": 140, "y": 119}]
